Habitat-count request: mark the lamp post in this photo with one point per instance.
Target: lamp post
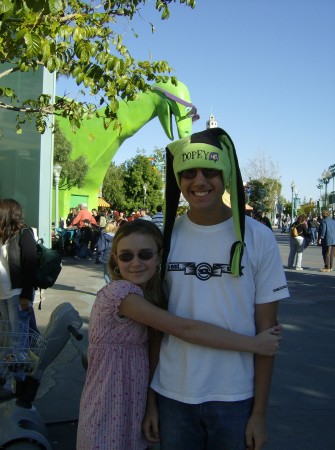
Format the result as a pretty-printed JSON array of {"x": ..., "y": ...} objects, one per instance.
[
  {"x": 57, "y": 170},
  {"x": 320, "y": 186},
  {"x": 332, "y": 171},
  {"x": 326, "y": 176},
  {"x": 145, "y": 193},
  {"x": 292, "y": 209},
  {"x": 296, "y": 202},
  {"x": 275, "y": 200}
]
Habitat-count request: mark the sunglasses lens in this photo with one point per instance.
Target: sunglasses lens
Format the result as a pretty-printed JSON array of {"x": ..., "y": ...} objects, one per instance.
[
  {"x": 188, "y": 174},
  {"x": 191, "y": 173},
  {"x": 126, "y": 257},
  {"x": 144, "y": 255},
  {"x": 210, "y": 173}
]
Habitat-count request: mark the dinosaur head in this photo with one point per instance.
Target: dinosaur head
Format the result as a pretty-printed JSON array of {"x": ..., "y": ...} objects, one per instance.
[{"x": 175, "y": 100}]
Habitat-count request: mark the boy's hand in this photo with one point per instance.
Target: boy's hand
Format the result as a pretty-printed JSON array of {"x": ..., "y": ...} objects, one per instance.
[{"x": 150, "y": 425}]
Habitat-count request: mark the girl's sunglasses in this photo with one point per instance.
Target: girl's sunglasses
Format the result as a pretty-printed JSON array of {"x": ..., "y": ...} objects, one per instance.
[
  {"x": 144, "y": 255},
  {"x": 189, "y": 174}
]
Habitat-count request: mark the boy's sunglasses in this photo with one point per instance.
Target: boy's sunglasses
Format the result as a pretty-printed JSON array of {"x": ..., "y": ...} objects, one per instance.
[
  {"x": 144, "y": 255},
  {"x": 189, "y": 174}
]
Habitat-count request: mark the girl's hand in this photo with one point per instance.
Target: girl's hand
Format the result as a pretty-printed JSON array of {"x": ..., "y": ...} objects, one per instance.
[{"x": 267, "y": 342}]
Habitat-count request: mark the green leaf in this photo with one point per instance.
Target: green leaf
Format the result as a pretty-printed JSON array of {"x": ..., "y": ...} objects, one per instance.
[
  {"x": 33, "y": 43},
  {"x": 80, "y": 78},
  {"x": 55, "y": 6},
  {"x": 6, "y": 6},
  {"x": 9, "y": 92},
  {"x": 51, "y": 66},
  {"x": 45, "y": 51},
  {"x": 114, "y": 105},
  {"x": 77, "y": 34},
  {"x": 20, "y": 34}
]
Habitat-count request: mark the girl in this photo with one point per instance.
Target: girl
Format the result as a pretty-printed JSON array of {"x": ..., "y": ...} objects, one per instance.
[
  {"x": 297, "y": 243},
  {"x": 18, "y": 263},
  {"x": 105, "y": 245},
  {"x": 114, "y": 397}
]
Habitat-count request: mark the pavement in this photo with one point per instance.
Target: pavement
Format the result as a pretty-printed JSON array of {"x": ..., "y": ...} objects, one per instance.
[{"x": 302, "y": 401}]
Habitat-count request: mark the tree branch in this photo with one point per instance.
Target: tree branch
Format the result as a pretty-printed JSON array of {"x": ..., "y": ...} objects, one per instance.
[
  {"x": 45, "y": 110},
  {"x": 8, "y": 72}
]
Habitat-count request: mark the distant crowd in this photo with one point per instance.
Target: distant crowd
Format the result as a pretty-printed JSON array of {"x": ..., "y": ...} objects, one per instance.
[{"x": 83, "y": 232}]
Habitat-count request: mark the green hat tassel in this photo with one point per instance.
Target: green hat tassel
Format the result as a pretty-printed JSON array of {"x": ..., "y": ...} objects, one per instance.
[{"x": 237, "y": 201}]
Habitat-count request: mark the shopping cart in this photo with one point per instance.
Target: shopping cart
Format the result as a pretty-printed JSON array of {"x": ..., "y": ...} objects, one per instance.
[
  {"x": 24, "y": 356},
  {"x": 21, "y": 349}
]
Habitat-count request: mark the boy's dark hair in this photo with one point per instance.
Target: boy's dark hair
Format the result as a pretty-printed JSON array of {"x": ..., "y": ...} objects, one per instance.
[{"x": 159, "y": 208}]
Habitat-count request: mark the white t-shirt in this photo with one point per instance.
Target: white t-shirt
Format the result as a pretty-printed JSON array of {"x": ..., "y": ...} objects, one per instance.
[
  {"x": 6, "y": 290},
  {"x": 201, "y": 287}
]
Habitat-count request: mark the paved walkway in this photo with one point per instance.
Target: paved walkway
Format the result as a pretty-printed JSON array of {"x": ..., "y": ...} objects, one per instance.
[{"x": 302, "y": 402}]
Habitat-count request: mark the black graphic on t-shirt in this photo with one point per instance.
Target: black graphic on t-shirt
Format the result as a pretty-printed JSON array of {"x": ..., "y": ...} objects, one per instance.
[{"x": 203, "y": 271}]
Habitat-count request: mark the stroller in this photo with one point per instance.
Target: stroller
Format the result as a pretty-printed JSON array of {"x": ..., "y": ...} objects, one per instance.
[
  {"x": 63, "y": 240},
  {"x": 24, "y": 356}
]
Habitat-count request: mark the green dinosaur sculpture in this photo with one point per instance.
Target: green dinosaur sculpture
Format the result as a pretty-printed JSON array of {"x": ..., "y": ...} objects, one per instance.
[{"x": 100, "y": 145}]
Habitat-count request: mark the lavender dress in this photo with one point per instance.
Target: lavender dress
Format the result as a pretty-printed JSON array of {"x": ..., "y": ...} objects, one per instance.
[{"x": 114, "y": 396}]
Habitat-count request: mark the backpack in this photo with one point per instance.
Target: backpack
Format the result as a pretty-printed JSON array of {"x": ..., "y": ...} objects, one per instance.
[{"x": 49, "y": 264}]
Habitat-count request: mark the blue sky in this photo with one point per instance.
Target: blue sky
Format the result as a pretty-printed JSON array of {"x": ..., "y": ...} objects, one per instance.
[{"x": 264, "y": 68}]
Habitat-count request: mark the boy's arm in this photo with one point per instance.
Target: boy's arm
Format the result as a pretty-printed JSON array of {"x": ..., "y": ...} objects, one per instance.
[{"x": 256, "y": 432}]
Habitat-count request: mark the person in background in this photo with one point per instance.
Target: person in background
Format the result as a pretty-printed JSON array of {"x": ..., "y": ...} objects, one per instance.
[
  {"x": 113, "y": 400},
  {"x": 96, "y": 230},
  {"x": 84, "y": 243},
  {"x": 18, "y": 265},
  {"x": 263, "y": 219},
  {"x": 144, "y": 215},
  {"x": 327, "y": 241},
  {"x": 284, "y": 226},
  {"x": 18, "y": 261},
  {"x": 131, "y": 217},
  {"x": 297, "y": 243},
  {"x": 224, "y": 268},
  {"x": 83, "y": 214},
  {"x": 158, "y": 218},
  {"x": 78, "y": 224},
  {"x": 102, "y": 224},
  {"x": 72, "y": 214},
  {"x": 96, "y": 215},
  {"x": 104, "y": 247},
  {"x": 103, "y": 220},
  {"x": 313, "y": 226},
  {"x": 266, "y": 221}
]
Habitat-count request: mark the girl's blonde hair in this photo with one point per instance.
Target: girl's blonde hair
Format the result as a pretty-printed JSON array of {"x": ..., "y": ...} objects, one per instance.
[
  {"x": 154, "y": 291},
  {"x": 110, "y": 227}
]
